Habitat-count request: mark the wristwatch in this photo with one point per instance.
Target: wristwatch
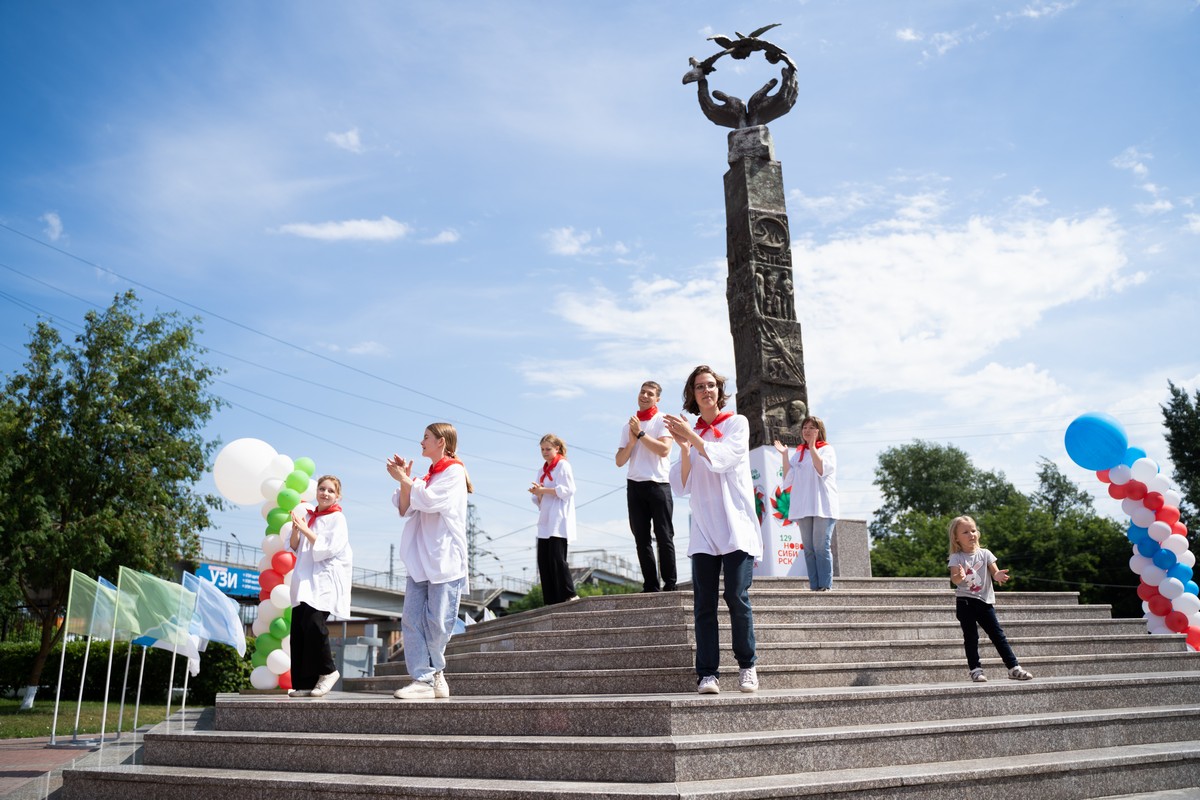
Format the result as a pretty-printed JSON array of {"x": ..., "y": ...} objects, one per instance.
[{"x": 641, "y": 434}]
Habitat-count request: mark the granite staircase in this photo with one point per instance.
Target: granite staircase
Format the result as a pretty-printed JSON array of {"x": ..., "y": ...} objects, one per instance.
[{"x": 864, "y": 695}]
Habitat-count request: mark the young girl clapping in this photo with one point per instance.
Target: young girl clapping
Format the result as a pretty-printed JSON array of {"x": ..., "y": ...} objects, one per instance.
[{"x": 554, "y": 495}]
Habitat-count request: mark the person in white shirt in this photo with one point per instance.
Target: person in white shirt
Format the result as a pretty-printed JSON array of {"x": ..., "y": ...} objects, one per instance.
[
  {"x": 810, "y": 477},
  {"x": 321, "y": 580},
  {"x": 713, "y": 470},
  {"x": 554, "y": 494},
  {"x": 434, "y": 550},
  {"x": 646, "y": 446}
]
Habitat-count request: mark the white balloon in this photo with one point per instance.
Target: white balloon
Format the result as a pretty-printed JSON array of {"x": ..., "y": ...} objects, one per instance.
[
  {"x": 237, "y": 468},
  {"x": 1158, "y": 484},
  {"x": 1143, "y": 469},
  {"x": 264, "y": 563},
  {"x": 1119, "y": 474},
  {"x": 268, "y": 611},
  {"x": 1176, "y": 544},
  {"x": 1188, "y": 559},
  {"x": 1146, "y": 612},
  {"x": 280, "y": 466},
  {"x": 260, "y": 626},
  {"x": 279, "y": 662},
  {"x": 1186, "y": 603},
  {"x": 270, "y": 488},
  {"x": 281, "y": 596},
  {"x": 1138, "y": 563},
  {"x": 287, "y": 577},
  {"x": 1172, "y": 498},
  {"x": 285, "y": 644},
  {"x": 1194, "y": 619},
  {"x": 1170, "y": 588},
  {"x": 1142, "y": 517},
  {"x": 273, "y": 544},
  {"x": 1154, "y": 575},
  {"x": 310, "y": 494},
  {"x": 263, "y": 678},
  {"x": 1157, "y": 625},
  {"x": 1129, "y": 505},
  {"x": 1159, "y": 531}
]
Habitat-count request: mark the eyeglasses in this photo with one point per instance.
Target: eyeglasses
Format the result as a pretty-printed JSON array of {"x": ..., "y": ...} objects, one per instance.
[{"x": 704, "y": 387}]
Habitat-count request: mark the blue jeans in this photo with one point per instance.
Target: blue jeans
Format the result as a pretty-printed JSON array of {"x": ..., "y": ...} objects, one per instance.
[
  {"x": 816, "y": 534},
  {"x": 706, "y": 576},
  {"x": 972, "y": 612},
  {"x": 427, "y": 621}
]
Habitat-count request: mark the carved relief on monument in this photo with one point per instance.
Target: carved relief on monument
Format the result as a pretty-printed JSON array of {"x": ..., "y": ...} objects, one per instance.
[
  {"x": 782, "y": 352},
  {"x": 784, "y": 413},
  {"x": 772, "y": 243}
]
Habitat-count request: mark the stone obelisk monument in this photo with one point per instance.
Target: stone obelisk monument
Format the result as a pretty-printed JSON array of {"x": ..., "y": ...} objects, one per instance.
[{"x": 769, "y": 354}]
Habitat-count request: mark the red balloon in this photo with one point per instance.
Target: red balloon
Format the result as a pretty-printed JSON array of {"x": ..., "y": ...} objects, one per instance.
[
  {"x": 264, "y": 594},
  {"x": 283, "y": 562},
  {"x": 1103, "y": 476},
  {"x": 1153, "y": 501},
  {"x": 1167, "y": 514},
  {"x": 1193, "y": 637},
  {"x": 1177, "y": 621},
  {"x": 1118, "y": 491},
  {"x": 1159, "y": 606},
  {"x": 285, "y": 680},
  {"x": 269, "y": 579},
  {"x": 1135, "y": 490},
  {"x": 1179, "y": 528},
  {"x": 1147, "y": 592}
]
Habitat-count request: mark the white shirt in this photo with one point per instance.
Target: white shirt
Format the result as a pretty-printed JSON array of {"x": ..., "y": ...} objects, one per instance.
[
  {"x": 644, "y": 465},
  {"x": 434, "y": 544},
  {"x": 812, "y": 495},
  {"x": 722, "y": 493},
  {"x": 322, "y": 575},
  {"x": 977, "y": 582},
  {"x": 556, "y": 512}
]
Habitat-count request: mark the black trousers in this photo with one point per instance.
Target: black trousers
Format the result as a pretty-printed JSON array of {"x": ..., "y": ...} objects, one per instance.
[
  {"x": 311, "y": 656},
  {"x": 972, "y": 612},
  {"x": 649, "y": 504},
  {"x": 557, "y": 586}
]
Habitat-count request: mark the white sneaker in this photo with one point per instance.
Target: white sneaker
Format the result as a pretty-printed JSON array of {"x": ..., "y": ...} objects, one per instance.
[
  {"x": 440, "y": 687},
  {"x": 748, "y": 680},
  {"x": 1019, "y": 673},
  {"x": 299, "y": 692},
  {"x": 325, "y": 683},
  {"x": 416, "y": 691},
  {"x": 709, "y": 685},
  {"x": 977, "y": 675}
]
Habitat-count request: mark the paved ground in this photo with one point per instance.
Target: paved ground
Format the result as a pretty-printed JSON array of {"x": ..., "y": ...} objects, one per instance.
[{"x": 30, "y": 770}]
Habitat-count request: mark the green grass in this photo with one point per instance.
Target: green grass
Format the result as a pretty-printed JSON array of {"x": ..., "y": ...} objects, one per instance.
[{"x": 18, "y": 724}]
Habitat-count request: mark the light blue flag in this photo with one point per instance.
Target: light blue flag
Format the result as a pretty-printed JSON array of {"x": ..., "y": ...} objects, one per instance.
[{"x": 216, "y": 617}]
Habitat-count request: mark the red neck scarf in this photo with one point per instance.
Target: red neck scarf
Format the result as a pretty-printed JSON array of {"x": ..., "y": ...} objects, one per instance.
[
  {"x": 440, "y": 466},
  {"x": 703, "y": 426},
  {"x": 800, "y": 449},
  {"x": 314, "y": 513},
  {"x": 648, "y": 414},
  {"x": 549, "y": 466}
]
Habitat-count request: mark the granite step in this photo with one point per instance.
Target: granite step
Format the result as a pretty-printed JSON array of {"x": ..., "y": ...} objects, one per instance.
[{"x": 1069, "y": 775}]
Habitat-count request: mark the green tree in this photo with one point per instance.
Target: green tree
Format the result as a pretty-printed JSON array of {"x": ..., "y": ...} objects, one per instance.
[
  {"x": 103, "y": 449},
  {"x": 1181, "y": 416},
  {"x": 935, "y": 480}
]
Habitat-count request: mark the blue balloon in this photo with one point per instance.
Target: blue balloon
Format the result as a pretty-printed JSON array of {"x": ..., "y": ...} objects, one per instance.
[
  {"x": 1131, "y": 455},
  {"x": 1096, "y": 441},
  {"x": 1164, "y": 559},
  {"x": 1192, "y": 587},
  {"x": 1181, "y": 572},
  {"x": 1136, "y": 534},
  {"x": 1148, "y": 547}
]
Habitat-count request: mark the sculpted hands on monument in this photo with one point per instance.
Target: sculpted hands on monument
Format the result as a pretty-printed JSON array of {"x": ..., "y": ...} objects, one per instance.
[{"x": 729, "y": 111}]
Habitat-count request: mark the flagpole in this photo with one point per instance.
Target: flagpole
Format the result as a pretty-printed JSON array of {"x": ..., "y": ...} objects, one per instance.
[
  {"x": 107, "y": 681},
  {"x": 58, "y": 691},
  {"x": 87, "y": 651},
  {"x": 124, "y": 689},
  {"x": 137, "y": 701}
]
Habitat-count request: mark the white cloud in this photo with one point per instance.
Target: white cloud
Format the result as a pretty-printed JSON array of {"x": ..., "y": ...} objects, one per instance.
[
  {"x": 568, "y": 242},
  {"x": 908, "y": 35},
  {"x": 448, "y": 236},
  {"x": 384, "y": 229},
  {"x": 365, "y": 348},
  {"x": 1032, "y": 200},
  {"x": 347, "y": 141},
  {"x": 1193, "y": 223},
  {"x": 54, "y": 226},
  {"x": 1133, "y": 160},
  {"x": 1160, "y": 206},
  {"x": 1043, "y": 10}
]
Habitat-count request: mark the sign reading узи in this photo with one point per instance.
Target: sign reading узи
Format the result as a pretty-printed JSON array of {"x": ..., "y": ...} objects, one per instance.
[{"x": 232, "y": 581}]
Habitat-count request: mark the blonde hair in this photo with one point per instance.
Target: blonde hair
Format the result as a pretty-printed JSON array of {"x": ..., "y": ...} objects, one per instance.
[
  {"x": 337, "y": 482},
  {"x": 446, "y": 432},
  {"x": 555, "y": 442},
  {"x": 954, "y": 523}
]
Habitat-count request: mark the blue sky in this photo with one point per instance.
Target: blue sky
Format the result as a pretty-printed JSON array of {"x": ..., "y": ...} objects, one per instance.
[{"x": 508, "y": 215}]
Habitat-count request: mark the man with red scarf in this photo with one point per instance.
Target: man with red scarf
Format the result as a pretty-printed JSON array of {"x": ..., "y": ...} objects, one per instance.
[{"x": 645, "y": 447}]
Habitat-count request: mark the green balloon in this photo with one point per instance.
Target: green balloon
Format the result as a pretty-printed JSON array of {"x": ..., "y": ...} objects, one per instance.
[
  {"x": 287, "y": 499},
  {"x": 279, "y": 628},
  {"x": 266, "y": 643},
  {"x": 259, "y": 659},
  {"x": 276, "y": 519},
  {"x": 297, "y": 480},
  {"x": 305, "y": 465},
  {"x": 287, "y": 614}
]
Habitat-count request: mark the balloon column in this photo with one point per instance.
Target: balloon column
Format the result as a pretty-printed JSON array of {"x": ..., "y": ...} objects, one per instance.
[
  {"x": 1161, "y": 558},
  {"x": 250, "y": 471}
]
